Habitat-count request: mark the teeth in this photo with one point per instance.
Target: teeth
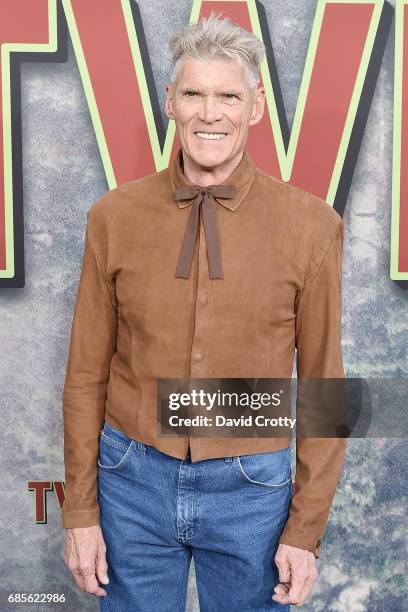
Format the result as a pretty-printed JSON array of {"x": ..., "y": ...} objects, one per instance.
[{"x": 210, "y": 135}]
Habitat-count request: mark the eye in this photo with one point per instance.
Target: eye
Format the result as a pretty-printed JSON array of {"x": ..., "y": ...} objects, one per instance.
[
  {"x": 230, "y": 96},
  {"x": 190, "y": 93}
]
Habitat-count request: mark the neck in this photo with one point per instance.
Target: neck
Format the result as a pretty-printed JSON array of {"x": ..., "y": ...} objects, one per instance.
[{"x": 204, "y": 177}]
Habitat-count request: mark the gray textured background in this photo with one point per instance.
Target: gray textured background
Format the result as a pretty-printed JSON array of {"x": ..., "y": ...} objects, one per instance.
[{"x": 363, "y": 565}]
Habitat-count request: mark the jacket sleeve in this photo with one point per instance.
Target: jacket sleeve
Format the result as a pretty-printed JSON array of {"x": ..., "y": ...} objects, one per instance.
[
  {"x": 92, "y": 345},
  {"x": 319, "y": 460}
]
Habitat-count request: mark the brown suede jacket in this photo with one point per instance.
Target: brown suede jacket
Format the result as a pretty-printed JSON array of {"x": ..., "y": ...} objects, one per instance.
[{"x": 135, "y": 321}]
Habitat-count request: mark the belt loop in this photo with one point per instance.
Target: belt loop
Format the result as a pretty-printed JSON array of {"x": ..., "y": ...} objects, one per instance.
[{"x": 141, "y": 446}]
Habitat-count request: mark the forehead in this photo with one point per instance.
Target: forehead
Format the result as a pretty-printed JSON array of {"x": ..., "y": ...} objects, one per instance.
[{"x": 211, "y": 73}]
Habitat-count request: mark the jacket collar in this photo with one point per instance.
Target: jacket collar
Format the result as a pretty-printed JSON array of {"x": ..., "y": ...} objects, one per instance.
[{"x": 242, "y": 177}]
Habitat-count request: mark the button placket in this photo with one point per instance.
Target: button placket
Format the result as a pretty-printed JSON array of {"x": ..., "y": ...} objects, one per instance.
[{"x": 201, "y": 327}]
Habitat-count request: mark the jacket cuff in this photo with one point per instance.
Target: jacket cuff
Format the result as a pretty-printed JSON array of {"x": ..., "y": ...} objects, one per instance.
[
  {"x": 79, "y": 518},
  {"x": 291, "y": 539}
]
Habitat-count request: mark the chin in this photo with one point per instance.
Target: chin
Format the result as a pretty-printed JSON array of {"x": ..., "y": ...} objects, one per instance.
[{"x": 209, "y": 159}]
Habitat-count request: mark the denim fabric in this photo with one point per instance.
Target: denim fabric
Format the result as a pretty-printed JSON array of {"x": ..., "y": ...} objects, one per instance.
[{"x": 157, "y": 511}]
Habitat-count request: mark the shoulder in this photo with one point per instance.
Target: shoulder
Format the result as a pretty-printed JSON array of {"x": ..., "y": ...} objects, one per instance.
[
  {"x": 308, "y": 218},
  {"x": 306, "y": 226},
  {"x": 311, "y": 211},
  {"x": 128, "y": 196}
]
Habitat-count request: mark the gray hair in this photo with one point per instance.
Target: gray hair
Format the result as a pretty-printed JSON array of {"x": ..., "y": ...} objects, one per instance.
[{"x": 221, "y": 38}]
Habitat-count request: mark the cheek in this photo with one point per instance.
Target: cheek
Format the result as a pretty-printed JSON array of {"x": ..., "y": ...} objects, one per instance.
[
  {"x": 183, "y": 118},
  {"x": 183, "y": 131},
  {"x": 241, "y": 121}
]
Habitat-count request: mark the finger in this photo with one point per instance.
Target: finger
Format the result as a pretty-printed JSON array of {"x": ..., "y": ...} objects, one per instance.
[
  {"x": 78, "y": 580},
  {"x": 303, "y": 578},
  {"x": 100, "y": 592},
  {"x": 282, "y": 598},
  {"x": 284, "y": 568},
  {"x": 309, "y": 584},
  {"x": 92, "y": 586},
  {"x": 280, "y": 591},
  {"x": 102, "y": 573},
  {"x": 102, "y": 568},
  {"x": 282, "y": 587},
  {"x": 296, "y": 590},
  {"x": 306, "y": 592}
]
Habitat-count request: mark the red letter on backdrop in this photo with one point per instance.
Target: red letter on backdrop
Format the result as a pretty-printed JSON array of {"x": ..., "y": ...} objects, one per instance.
[{"x": 40, "y": 488}]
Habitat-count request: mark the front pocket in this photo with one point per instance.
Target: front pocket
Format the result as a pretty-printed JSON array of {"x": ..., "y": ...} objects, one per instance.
[
  {"x": 113, "y": 455},
  {"x": 266, "y": 469}
]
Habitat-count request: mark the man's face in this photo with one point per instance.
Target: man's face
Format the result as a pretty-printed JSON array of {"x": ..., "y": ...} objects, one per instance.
[{"x": 213, "y": 108}]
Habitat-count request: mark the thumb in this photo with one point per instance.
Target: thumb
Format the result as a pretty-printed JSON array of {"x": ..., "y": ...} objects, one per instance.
[
  {"x": 284, "y": 570},
  {"x": 102, "y": 568}
]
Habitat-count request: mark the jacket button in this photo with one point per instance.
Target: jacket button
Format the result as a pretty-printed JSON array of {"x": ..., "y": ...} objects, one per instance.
[
  {"x": 198, "y": 356},
  {"x": 203, "y": 299}
]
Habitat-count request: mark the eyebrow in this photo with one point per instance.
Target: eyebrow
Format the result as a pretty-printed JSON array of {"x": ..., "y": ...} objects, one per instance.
[{"x": 237, "y": 92}]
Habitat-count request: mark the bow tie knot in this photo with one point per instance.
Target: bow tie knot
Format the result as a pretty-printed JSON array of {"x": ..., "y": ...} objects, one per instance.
[
  {"x": 187, "y": 192},
  {"x": 204, "y": 198}
]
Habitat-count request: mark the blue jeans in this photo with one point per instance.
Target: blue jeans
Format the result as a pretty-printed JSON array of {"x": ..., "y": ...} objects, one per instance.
[{"x": 157, "y": 511}]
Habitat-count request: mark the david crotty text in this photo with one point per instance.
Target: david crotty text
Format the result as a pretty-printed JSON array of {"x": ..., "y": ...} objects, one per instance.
[{"x": 221, "y": 421}]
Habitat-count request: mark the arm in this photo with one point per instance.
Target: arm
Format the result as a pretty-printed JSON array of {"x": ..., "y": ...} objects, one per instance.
[
  {"x": 318, "y": 460},
  {"x": 92, "y": 345}
]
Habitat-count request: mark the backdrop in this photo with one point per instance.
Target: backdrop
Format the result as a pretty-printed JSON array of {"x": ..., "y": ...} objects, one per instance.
[{"x": 82, "y": 111}]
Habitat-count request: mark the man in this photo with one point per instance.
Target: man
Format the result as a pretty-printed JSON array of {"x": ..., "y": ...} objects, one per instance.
[{"x": 210, "y": 268}]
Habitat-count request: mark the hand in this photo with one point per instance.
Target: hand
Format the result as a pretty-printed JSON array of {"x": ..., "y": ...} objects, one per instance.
[
  {"x": 297, "y": 574},
  {"x": 85, "y": 556}
]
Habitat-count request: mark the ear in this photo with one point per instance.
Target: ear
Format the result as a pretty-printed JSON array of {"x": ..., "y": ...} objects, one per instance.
[
  {"x": 258, "y": 106},
  {"x": 168, "y": 104}
]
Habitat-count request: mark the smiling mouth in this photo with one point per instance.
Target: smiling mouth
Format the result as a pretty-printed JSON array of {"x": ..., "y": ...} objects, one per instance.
[{"x": 210, "y": 135}]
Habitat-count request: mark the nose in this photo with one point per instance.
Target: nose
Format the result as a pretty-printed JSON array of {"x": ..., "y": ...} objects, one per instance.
[{"x": 209, "y": 109}]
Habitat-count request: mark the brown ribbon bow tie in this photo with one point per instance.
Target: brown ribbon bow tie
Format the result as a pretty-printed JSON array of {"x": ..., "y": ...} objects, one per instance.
[{"x": 204, "y": 197}]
